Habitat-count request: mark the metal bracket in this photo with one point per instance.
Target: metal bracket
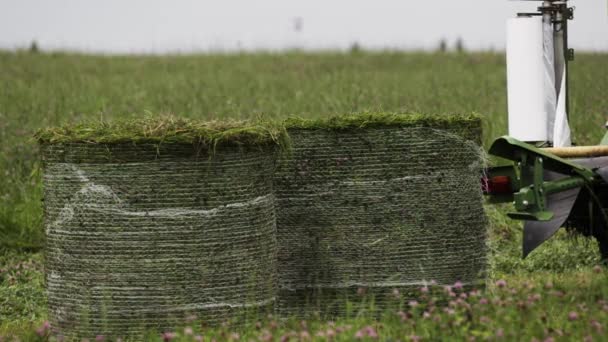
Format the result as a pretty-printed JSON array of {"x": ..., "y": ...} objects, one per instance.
[
  {"x": 570, "y": 54},
  {"x": 530, "y": 201},
  {"x": 512, "y": 149},
  {"x": 530, "y": 163}
]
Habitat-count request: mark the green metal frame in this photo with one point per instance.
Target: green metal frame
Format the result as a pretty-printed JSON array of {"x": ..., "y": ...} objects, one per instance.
[{"x": 530, "y": 190}]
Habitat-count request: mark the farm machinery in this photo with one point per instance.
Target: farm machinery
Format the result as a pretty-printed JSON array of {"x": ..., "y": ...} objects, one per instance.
[{"x": 550, "y": 183}]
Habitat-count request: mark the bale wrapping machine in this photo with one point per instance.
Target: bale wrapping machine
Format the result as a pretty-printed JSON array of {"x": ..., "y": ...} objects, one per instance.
[{"x": 550, "y": 183}]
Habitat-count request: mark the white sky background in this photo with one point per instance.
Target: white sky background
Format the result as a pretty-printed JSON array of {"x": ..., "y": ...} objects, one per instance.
[{"x": 157, "y": 26}]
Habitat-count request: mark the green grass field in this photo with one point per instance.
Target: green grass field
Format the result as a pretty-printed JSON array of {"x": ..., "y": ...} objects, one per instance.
[{"x": 38, "y": 90}]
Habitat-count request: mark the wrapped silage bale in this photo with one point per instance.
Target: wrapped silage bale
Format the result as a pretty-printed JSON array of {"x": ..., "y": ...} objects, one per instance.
[
  {"x": 373, "y": 203},
  {"x": 150, "y": 222}
]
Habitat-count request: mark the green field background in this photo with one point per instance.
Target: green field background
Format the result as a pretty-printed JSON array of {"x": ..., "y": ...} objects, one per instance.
[{"x": 39, "y": 90}]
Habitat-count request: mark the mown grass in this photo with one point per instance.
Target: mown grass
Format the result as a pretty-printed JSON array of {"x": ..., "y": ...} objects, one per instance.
[
  {"x": 558, "y": 278},
  {"x": 41, "y": 90},
  {"x": 541, "y": 306}
]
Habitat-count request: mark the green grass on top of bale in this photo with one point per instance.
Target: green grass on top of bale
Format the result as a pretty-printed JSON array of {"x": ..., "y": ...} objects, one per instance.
[
  {"x": 383, "y": 119},
  {"x": 168, "y": 129},
  {"x": 171, "y": 129},
  {"x": 467, "y": 125}
]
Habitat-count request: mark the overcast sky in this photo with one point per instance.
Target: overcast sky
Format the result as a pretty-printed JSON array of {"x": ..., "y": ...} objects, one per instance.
[{"x": 156, "y": 26}]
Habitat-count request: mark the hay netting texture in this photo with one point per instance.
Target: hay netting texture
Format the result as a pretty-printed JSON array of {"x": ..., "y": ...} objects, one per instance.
[
  {"x": 379, "y": 209},
  {"x": 139, "y": 238}
]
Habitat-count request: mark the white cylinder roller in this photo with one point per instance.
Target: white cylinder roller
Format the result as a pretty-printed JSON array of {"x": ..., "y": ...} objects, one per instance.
[{"x": 528, "y": 117}]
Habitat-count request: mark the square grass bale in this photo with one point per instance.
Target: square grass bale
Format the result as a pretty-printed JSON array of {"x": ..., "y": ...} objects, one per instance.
[{"x": 374, "y": 203}]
